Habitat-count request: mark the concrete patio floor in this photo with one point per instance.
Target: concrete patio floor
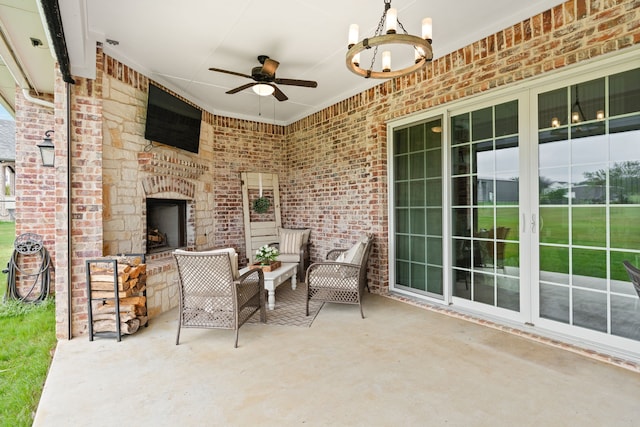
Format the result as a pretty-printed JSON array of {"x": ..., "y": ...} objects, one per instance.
[{"x": 401, "y": 366}]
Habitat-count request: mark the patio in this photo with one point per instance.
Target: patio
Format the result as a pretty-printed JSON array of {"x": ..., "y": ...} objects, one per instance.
[{"x": 402, "y": 365}]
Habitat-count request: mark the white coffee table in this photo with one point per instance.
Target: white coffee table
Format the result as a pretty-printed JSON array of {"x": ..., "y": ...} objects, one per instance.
[{"x": 276, "y": 277}]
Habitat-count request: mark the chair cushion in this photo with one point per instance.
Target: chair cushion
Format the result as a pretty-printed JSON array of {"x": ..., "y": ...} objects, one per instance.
[
  {"x": 306, "y": 232},
  {"x": 289, "y": 257},
  {"x": 353, "y": 255},
  {"x": 290, "y": 241}
]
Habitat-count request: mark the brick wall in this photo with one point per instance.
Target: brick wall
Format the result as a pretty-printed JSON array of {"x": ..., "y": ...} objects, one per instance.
[
  {"x": 332, "y": 164},
  {"x": 35, "y": 186}
]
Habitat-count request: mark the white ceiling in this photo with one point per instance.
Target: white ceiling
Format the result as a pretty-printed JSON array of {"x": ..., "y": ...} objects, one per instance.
[{"x": 175, "y": 42}]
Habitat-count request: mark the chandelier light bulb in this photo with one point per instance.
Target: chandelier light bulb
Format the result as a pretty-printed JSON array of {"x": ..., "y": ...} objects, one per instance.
[
  {"x": 392, "y": 20},
  {"x": 386, "y": 61},
  {"x": 555, "y": 122},
  {"x": 427, "y": 29},
  {"x": 600, "y": 115},
  {"x": 353, "y": 34},
  {"x": 575, "y": 117}
]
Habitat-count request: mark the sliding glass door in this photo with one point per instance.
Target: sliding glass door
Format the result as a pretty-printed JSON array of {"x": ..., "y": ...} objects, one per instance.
[
  {"x": 485, "y": 195},
  {"x": 589, "y": 203},
  {"x": 417, "y": 179},
  {"x": 524, "y": 207}
]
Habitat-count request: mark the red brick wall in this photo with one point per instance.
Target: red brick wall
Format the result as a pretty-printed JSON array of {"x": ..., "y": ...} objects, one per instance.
[
  {"x": 35, "y": 185},
  {"x": 240, "y": 146}
]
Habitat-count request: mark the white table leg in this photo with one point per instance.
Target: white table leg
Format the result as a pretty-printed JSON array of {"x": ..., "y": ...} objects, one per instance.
[
  {"x": 272, "y": 299},
  {"x": 293, "y": 279}
]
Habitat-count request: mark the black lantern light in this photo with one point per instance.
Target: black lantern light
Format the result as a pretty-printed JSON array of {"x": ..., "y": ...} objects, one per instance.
[{"x": 47, "y": 150}]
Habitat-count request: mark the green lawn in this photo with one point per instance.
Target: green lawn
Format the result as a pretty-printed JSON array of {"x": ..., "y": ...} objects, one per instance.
[{"x": 27, "y": 340}]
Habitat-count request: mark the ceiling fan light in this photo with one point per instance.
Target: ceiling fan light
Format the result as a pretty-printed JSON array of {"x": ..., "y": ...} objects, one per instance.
[{"x": 263, "y": 89}]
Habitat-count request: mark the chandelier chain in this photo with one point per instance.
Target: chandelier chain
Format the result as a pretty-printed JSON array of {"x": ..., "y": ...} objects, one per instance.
[{"x": 378, "y": 32}]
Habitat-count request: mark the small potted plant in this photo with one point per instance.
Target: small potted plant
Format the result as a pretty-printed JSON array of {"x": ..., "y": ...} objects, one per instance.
[{"x": 266, "y": 256}]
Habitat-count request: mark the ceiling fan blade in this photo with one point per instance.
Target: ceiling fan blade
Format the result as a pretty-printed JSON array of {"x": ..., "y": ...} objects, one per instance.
[
  {"x": 240, "y": 88},
  {"x": 294, "y": 82},
  {"x": 269, "y": 67},
  {"x": 219, "y": 70},
  {"x": 280, "y": 96}
]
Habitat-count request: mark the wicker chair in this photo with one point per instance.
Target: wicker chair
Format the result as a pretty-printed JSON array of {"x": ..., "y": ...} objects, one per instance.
[
  {"x": 343, "y": 277},
  {"x": 212, "y": 296},
  {"x": 293, "y": 250},
  {"x": 634, "y": 275}
]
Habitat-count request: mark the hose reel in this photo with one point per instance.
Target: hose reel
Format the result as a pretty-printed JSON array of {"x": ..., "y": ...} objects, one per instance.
[{"x": 28, "y": 245}]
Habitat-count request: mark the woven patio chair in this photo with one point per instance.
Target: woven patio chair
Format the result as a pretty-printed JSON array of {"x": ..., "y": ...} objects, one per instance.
[
  {"x": 342, "y": 277},
  {"x": 294, "y": 245},
  {"x": 213, "y": 295},
  {"x": 634, "y": 275}
]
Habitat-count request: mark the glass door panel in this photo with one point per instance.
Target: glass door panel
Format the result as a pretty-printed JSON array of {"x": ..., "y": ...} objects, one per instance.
[
  {"x": 589, "y": 203},
  {"x": 485, "y": 206},
  {"x": 417, "y": 177}
]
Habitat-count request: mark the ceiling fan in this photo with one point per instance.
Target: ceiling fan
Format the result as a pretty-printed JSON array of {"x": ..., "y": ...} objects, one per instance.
[{"x": 266, "y": 75}]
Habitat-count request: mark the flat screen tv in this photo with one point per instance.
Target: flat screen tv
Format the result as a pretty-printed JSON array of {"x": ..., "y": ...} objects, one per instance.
[{"x": 171, "y": 121}]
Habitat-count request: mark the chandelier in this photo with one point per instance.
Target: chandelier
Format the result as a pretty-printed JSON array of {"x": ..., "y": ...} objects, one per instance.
[{"x": 389, "y": 19}]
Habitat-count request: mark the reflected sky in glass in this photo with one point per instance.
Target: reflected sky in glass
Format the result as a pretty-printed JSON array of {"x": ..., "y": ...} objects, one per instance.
[
  {"x": 4, "y": 115},
  {"x": 595, "y": 150}
]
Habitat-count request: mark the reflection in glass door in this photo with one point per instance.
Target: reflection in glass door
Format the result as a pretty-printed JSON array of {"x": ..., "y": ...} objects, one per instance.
[
  {"x": 589, "y": 203},
  {"x": 485, "y": 197},
  {"x": 417, "y": 177}
]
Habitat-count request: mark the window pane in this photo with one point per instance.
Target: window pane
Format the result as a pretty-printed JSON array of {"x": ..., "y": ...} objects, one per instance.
[
  {"x": 589, "y": 184},
  {"x": 507, "y": 118},
  {"x": 402, "y": 220},
  {"x": 460, "y": 129},
  {"x": 434, "y": 134},
  {"x": 554, "y": 302},
  {"x": 554, "y": 224},
  {"x": 552, "y": 106},
  {"x": 434, "y": 221},
  {"x": 416, "y": 165},
  {"x": 416, "y": 138},
  {"x": 587, "y": 99},
  {"x": 434, "y": 164},
  {"x": 418, "y": 221},
  {"x": 624, "y": 92},
  {"x": 589, "y": 226},
  {"x": 417, "y": 193},
  {"x": 402, "y": 167},
  {"x": 434, "y": 280},
  {"x": 625, "y": 227},
  {"x": 482, "y": 124},
  {"x": 401, "y": 141},
  {"x": 590, "y": 310},
  {"x": 461, "y": 160}
]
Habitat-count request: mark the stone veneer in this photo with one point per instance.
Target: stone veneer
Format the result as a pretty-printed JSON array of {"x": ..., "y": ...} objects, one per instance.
[{"x": 332, "y": 164}]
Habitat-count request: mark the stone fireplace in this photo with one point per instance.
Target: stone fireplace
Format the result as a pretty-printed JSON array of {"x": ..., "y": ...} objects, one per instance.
[
  {"x": 166, "y": 224},
  {"x": 156, "y": 212}
]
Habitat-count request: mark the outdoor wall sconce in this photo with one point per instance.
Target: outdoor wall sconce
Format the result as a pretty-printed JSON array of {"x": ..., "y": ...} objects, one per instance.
[{"x": 47, "y": 150}]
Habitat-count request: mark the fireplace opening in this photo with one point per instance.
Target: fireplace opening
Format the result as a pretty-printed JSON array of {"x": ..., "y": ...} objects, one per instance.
[{"x": 166, "y": 224}]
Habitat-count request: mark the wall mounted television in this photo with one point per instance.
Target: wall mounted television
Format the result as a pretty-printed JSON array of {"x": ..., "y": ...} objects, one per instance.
[{"x": 171, "y": 121}]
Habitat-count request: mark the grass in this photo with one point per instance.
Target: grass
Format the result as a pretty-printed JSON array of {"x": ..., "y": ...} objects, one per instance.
[{"x": 27, "y": 338}]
